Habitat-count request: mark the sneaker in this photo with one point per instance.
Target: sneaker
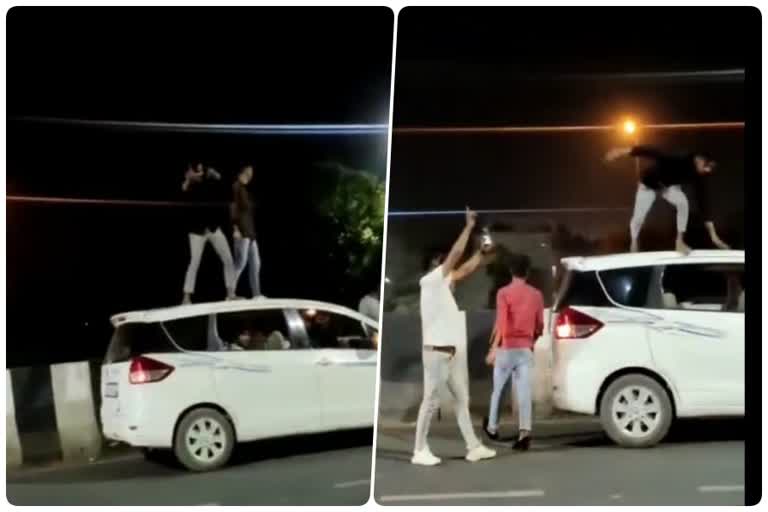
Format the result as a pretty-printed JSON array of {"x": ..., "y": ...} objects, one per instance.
[
  {"x": 425, "y": 458},
  {"x": 479, "y": 453}
]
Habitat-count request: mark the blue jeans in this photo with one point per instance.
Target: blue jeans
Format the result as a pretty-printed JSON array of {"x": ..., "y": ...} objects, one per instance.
[
  {"x": 247, "y": 254},
  {"x": 514, "y": 363}
]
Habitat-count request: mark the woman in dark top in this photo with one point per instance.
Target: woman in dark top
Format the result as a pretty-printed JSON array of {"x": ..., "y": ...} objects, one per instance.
[
  {"x": 204, "y": 225},
  {"x": 664, "y": 177},
  {"x": 244, "y": 231}
]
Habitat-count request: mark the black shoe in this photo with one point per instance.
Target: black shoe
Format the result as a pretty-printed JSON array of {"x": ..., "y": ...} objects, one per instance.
[
  {"x": 522, "y": 445},
  {"x": 493, "y": 436}
]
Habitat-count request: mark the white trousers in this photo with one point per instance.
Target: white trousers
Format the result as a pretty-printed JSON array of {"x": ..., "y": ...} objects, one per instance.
[
  {"x": 441, "y": 369},
  {"x": 645, "y": 198},
  {"x": 220, "y": 245}
]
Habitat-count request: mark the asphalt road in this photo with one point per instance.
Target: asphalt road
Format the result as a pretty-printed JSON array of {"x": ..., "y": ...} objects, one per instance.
[
  {"x": 702, "y": 463},
  {"x": 328, "y": 469}
]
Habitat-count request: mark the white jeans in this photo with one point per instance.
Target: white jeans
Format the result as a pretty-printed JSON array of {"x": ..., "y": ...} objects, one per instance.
[
  {"x": 645, "y": 198},
  {"x": 247, "y": 254},
  {"x": 441, "y": 369},
  {"x": 220, "y": 245}
]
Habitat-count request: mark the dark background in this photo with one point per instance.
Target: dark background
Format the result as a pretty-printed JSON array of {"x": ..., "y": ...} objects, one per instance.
[{"x": 72, "y": 266}]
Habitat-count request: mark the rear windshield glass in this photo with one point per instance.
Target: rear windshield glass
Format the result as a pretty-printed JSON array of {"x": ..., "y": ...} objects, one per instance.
[
  {"x": 582, "y": 289},
  {"x": 135, "y": 339},
  {"x": 628, "y": 286}
]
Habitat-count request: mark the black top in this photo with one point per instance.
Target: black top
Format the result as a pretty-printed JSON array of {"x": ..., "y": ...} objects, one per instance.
[
  {"x": 670, "y": 169},
  {"x": 243, "y": 210},
  {"x": 209, "y": 211}
]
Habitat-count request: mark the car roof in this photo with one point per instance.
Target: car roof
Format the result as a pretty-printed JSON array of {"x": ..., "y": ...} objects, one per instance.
[
  {"x": 207, "y": 308},
  {"x": 644, "y": 259}
]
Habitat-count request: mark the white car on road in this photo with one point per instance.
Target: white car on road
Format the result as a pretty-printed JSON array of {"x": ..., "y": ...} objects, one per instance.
[
  {"x": 641, "y": 339},
  {"x": 199, "y": 378}
]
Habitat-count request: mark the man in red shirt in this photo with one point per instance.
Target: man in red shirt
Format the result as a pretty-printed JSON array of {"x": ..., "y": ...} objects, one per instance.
[{"x": 519, "y": 323}]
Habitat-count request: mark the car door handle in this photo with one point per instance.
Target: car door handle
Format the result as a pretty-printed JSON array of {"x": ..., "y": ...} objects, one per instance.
[{"x": 324, "y": 362}]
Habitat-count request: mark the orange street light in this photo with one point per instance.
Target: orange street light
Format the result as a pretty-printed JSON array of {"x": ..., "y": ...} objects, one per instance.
[{"x": 630, "y": 127}]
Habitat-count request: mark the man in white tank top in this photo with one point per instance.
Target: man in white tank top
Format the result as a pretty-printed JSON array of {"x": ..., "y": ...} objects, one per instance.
[{"x": 443, "y": 330}]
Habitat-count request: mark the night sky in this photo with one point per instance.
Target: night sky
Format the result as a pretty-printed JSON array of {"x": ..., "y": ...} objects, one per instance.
[{"x": 72, "y": 266}]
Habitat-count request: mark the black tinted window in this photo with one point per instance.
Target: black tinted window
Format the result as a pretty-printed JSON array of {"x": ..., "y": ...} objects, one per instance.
[
  {"x": 331, "y": 330},
  {"x": 263, "y": 329},
  {"x": 190, "y": 333},
  {"x": 628, "y": 286},
  {"x": 582, "y": 289},
  {"x": 131, "y": 340}
]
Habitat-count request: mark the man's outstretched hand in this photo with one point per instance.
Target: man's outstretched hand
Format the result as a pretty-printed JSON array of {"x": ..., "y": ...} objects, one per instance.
[
  {"x": 616, "y": 153},
  {"x": 471, "y": 218}
]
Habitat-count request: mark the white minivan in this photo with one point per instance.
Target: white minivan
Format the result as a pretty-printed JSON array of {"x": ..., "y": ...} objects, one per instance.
[
  {"x": 199, "y": 378},
  {"x": 641, "y": 339}
]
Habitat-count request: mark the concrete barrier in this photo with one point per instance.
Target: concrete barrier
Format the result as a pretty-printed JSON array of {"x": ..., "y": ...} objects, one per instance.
[
  {"x": 12, "y": 443},
  {"x": 78, "y": 429},
  {"x": 401, "y": 370},
  {"x": 51, "y": 414}
]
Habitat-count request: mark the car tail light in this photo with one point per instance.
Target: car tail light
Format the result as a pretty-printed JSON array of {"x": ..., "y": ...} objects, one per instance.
[
  {"x": 572, "y": 324},
  {"x": 144, "y": 370}
]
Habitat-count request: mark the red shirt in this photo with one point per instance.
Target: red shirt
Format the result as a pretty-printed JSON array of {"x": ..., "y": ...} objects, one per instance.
[{"x": 519, "y": 314}]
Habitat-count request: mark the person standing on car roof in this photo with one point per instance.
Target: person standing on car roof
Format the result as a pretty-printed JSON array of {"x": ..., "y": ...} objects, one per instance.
[
  {"x": 244, "y": 231},
  {"x": 664, "y": 177},
  {"x": 204, "y": 225},
  {"x": 443, "y": 329},
  {"x": 519, "y": 323}
]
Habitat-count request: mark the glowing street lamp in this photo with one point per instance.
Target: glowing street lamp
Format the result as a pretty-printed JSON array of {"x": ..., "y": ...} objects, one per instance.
[{"x": 629, "y": 129}]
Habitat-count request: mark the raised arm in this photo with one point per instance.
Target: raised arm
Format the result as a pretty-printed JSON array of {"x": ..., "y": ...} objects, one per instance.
[
  {"x": 633, "y": 151},
  {"x": 460, "y": 244},
  {"x": 469, "y": 266}
]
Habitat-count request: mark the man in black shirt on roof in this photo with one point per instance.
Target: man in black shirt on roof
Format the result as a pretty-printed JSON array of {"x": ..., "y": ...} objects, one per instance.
[
  {"x": 204, "y": 223},
  {"x": 664, "y": 177}
]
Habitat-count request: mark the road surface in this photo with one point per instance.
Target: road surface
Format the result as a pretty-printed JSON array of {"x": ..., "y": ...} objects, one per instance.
[
  {"x": 702, "y": 463},
  {"x": 328, "y": 469}
]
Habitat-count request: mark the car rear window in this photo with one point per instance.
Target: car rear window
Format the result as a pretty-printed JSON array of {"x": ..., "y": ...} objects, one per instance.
[
  {"x": 628, "y": 286},
  {"x": 135, "y": 339},
  {"x": 582, "y": 289}
]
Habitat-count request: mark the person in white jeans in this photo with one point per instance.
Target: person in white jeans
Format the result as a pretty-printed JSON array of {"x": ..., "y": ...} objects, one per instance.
[
  {"x": 664, "y": 178},
  {"x": 443, "y": 331},
  {"x": 244, "y": 231},
  {"x": 204, "y": 225}
]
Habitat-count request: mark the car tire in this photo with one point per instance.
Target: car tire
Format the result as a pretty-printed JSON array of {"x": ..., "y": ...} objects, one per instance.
[
  {"x": 204, "y": 440},
  {"x": 636, "y": 411}
]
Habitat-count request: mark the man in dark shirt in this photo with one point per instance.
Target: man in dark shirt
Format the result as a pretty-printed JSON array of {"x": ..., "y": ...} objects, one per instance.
[
  {"x": 204, "y": 225},
  {"x": 664, "y": 177},
  {"x": 244, "y": 231}
]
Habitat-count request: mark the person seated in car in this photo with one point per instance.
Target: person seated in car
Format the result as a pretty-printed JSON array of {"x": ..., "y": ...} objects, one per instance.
[{"x": 322, "y": 331}]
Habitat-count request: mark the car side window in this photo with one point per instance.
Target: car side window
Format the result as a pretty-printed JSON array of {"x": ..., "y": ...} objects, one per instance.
[
  {"x": 628, "y": 286},
  {"x": 704, "y": 287},
  {"x": 189, "y": 333},
  {"x": 135, "y": 339},
  {"x": 258, "y": 329},
  {"x": 332, "y": 330}
]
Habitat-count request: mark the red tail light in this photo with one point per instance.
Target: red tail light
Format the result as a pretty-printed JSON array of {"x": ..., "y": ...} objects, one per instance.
[
  {"x": 572, "y": 324},
  {"x": 145, "y": 370}
]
